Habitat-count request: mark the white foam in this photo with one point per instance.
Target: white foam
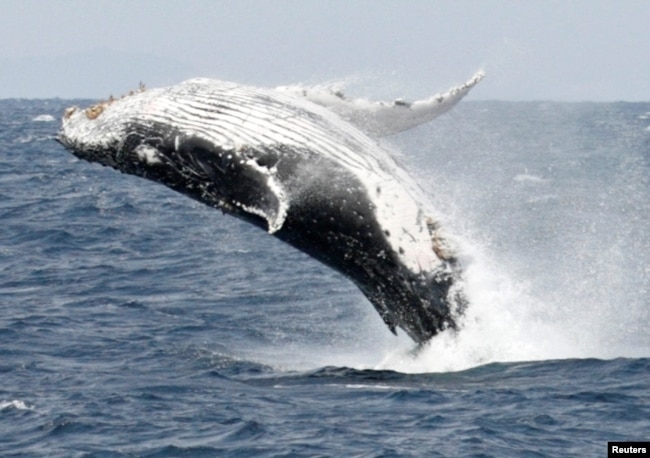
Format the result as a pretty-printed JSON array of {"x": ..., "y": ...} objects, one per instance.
[
  {"x": 526, "y": 178},
  {"x": 498, "y": 326},
  {"x": 15, "y": 404},
  {"x": 592, "y": 307},
  {"x": 44, "y": 118}
]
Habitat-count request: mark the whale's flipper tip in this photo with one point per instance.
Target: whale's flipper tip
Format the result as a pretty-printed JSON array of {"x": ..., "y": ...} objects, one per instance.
[{"x": 381, "y": 118}]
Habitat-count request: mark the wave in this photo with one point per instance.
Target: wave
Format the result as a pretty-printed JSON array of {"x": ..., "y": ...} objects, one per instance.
[
  {"x": 44, "y": 118},
  {"x": 16, "y": 404}
]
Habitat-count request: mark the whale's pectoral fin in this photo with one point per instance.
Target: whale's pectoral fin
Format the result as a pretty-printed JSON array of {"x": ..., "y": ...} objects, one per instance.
[
  {"x": 380, "y": 119},
  {"x": 238, "y": 181}
]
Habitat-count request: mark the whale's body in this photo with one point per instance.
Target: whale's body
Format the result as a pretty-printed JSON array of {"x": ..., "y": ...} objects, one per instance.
[{"x": 288, "y": 163}]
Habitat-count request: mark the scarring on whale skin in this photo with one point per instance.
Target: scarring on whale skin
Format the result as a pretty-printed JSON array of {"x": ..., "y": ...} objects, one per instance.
[{"x": 298, "y": 164}]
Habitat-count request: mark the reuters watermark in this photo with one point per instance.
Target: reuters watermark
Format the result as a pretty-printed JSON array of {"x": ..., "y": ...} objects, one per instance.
[{"x": 620, "y": 449}]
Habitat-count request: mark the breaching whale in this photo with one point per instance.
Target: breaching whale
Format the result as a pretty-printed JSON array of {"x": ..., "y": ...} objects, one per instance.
[{"x": 301, "y": 164}]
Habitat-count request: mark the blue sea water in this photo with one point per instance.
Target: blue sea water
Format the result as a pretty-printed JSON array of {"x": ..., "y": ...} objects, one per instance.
[{"x": 136, "y": 322}]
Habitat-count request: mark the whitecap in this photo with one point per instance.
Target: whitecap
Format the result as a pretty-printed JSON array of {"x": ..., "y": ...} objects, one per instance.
[
  {"x": 526, "y": 178},
  {"x": 15, "y": 404},
  {"x": 44, "y": 118}
]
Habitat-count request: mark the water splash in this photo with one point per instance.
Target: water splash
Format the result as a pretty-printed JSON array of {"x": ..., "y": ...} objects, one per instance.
[{"x": 548, "y": 278}]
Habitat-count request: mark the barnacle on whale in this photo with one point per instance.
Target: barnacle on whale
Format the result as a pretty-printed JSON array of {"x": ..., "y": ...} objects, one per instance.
[{"x": 94, "y": 111}]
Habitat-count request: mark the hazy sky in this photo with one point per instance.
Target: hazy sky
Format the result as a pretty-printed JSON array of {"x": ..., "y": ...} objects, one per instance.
[{"x": 530, "y": 49}]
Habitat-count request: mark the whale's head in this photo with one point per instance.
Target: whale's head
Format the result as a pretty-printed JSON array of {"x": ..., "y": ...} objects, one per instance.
[
  {"x": 151, "y": 135},
  {"x": 103, "y": 132},
  {"x": 90, "y": 138}
]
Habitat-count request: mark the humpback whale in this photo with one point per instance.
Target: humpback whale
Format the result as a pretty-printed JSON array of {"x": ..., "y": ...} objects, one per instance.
[{"x": 304, "y": 165}]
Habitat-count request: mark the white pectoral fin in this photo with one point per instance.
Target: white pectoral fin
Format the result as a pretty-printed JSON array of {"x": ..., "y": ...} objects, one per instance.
[
  {"x": 401, "y": 116},
  {"x": 379, "y": 119}
]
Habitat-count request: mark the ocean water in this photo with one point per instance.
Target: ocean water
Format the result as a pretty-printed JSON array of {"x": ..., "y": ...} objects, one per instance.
[{"x": 136, "y": 322}]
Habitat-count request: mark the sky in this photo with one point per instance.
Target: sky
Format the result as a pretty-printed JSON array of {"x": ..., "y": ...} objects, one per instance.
[{"x": 568, "y": 50}]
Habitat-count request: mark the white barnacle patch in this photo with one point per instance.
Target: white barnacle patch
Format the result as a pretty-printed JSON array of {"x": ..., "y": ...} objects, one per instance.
[{"x": 147, "y": 154}]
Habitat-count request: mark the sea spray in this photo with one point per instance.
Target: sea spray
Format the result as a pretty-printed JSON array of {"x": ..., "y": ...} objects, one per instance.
[{"x": 553, "y": 224}]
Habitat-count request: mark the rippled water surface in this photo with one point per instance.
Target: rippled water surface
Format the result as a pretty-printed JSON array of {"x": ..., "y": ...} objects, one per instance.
[{"x": 136, "y": 322}]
